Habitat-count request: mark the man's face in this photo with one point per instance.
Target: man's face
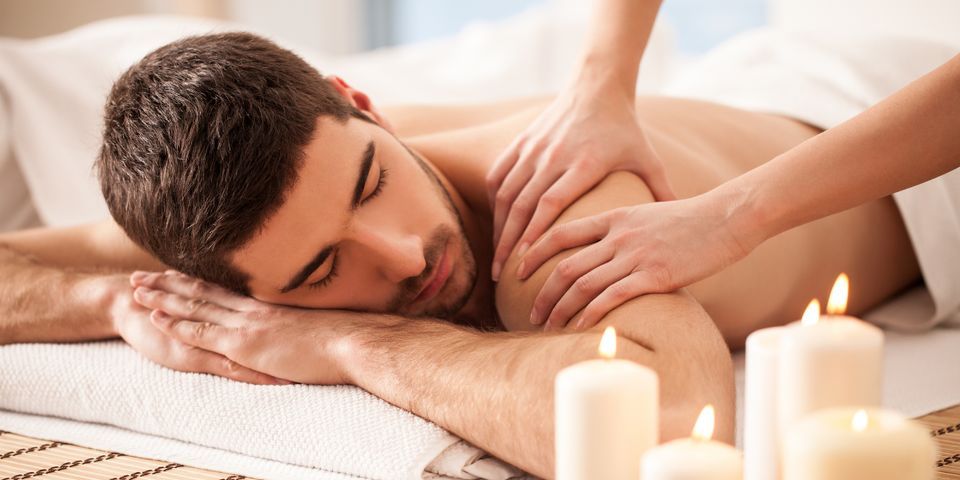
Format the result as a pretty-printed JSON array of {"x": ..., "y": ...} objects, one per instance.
[{"x": 366, "y": 226}]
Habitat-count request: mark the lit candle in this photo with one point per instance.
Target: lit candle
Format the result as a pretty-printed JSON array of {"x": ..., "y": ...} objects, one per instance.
[
  {"x": 606, "y": 416},
  {"x": 831, "y": 362},
  {"x": 760, "y": 438},
  {"x": 694, "y": 458},
  {"x": 848, "y": 444}
]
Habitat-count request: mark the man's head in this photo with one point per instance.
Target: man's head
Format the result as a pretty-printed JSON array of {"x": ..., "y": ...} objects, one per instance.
[{"x": 233, "y": 160}]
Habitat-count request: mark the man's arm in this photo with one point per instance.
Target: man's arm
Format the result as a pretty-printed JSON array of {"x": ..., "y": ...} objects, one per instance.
[
  {"x": 60, "y": 284},
  {"x": 44, "y": 303},
  {"x": 496, "y": 390}
]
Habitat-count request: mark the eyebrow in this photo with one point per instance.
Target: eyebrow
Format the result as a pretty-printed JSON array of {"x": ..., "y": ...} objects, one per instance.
[{"x": 365, "y": 163}]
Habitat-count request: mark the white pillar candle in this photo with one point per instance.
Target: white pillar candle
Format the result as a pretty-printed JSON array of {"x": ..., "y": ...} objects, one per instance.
[
  {"x": 828, "y": 362},
  {"x": 607, "y": 416},
  {"x": 694, "y": 458},
  {"x": 848, "y": 444},
  {"x": 761, "y": 441}
]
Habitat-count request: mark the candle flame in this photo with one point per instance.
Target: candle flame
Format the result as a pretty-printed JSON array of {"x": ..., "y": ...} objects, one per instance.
[
  {"x": 812, "y": 314},
  {"x": 608, "y": 343},
  {"x": 703, "y": 429},
  {"x": 860, "y": 421},
  {"x": 837, "y": 304}
]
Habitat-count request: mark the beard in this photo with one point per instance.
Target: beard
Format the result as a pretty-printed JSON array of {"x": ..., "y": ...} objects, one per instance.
[{"x": 466, "y": 265}]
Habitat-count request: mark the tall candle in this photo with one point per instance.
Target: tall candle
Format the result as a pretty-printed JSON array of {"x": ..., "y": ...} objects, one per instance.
[
  {"x": 607, "y": 416},
  {"x": 830, "y": 362},
  {"x": 760, "y": 439},
  {"x": 849, "y": 444},
  {"x": 694, "y": 458}
]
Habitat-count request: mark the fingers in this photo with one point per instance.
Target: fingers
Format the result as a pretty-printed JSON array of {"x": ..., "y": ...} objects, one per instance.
[
  {"x": 193, "y": 359},
  {"x": 567, "y": 272},
  {"x": 516, "y": 179},
  {"x": 656, "y": 179},
  {"x": 628, "y": 288},
  {"x": 190, "y": 287},
  {"x": 561, "y": 237},
  {"x": 571, "y": 186},
  {"x": 584, "y": 290},
  {"x": 501, "y": 167},
  {"x": 520, "y": 212},
  {"x": 208, "y": 336},
  {"x": 183, "y": 307}
]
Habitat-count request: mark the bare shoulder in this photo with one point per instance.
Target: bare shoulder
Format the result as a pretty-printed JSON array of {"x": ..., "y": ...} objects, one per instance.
[{"x": 514, "y": 298}]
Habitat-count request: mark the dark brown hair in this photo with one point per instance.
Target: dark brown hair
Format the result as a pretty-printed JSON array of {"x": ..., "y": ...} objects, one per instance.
[{"x": 202, "y": 138}]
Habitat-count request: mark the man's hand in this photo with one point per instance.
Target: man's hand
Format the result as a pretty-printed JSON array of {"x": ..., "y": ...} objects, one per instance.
[
  {"x": 299, "y": 345},
  {"x": 132, "y": 322},
  {"x": 585, "y": 134}
]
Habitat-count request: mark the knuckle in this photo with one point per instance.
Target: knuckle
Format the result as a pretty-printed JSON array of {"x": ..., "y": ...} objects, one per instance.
[
  {"x": 565, "y": 270},
  {"x": 200, "y": 329},
  {"x": 197, "y": 288},
  {"x": 229, "y": 366},
  {"x": 584, "y": 285},
  {"x": 550, "y": 200}
]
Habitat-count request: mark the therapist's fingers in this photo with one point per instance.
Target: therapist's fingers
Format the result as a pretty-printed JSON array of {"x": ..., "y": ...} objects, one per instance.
[
  {"x": 500, "y": 168},
  {"x": 584, "y": 290},
  {"x": 517, "y": 178},
  {"x": 625, "y": 289},
  {"x": 571, "y": 186},
  {"x": 561, "y": 237},
  {"x": 520, "y": 212},
  {"x": 567, "y": 273}
]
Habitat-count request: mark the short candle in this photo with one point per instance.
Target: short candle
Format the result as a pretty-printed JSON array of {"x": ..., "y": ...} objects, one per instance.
[
  {"x": 607, "y": 416},
  {"x": 694, "y": 458},
  {"x": 847, "y": 443}
]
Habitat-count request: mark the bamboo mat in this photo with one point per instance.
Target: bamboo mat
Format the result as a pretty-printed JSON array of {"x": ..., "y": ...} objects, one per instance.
[{"x": 24, "y": 457}]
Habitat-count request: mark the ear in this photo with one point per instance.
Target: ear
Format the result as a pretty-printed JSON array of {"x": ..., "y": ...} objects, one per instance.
[{"x": 359, "y": 100}]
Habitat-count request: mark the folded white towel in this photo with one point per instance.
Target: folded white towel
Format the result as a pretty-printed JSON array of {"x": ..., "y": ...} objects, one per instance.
[{"x": 340, "y": 428}]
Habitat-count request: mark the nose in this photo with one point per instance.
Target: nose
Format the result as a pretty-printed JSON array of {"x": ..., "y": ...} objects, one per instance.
[{"x": 397, "y": 255}]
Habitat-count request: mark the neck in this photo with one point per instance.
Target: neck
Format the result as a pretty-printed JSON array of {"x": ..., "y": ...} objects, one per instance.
[{"x": 477, "y": 228}]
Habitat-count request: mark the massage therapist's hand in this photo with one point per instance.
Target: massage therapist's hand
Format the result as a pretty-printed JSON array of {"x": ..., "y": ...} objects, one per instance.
[
  {"x": 289, "y": 343},
  {"x": 132, "y": 322},
  {"x": 649, "y": 248},
  {"x": 586, "y": 133}
]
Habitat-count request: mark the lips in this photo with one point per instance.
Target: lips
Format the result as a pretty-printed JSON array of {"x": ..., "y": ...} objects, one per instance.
[{"x": 440, "y": 275}]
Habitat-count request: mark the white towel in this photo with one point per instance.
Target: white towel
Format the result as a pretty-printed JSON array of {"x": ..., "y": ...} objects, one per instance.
[{"x": 318, "y": 431}]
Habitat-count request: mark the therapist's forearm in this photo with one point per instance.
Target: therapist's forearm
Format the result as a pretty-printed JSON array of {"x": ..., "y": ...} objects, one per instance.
[
  {"x": 40, "y": 303},
  {"x": 906, "y": 139},
  {"x": 618, "y": 36}
]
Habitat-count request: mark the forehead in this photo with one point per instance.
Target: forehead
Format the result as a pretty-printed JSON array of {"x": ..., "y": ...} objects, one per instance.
[{"x": 313, "y": 209}]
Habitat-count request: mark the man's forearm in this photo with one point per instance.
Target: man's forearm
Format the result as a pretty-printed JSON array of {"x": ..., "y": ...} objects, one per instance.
[
  {"x": 494, "y": 390},
  {"x": 41, "y": 303}
]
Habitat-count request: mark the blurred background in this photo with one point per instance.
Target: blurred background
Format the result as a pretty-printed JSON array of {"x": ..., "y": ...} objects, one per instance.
[{"x": 352, "y": 26}]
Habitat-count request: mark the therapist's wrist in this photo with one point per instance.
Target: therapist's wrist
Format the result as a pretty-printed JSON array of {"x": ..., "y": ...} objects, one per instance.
[
  {"x": 599, "y": 76},
  {"x": 743, "y": 213}
]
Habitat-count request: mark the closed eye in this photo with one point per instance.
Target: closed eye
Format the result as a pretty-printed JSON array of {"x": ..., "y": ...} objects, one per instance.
[{"x": 323, "y": 282}]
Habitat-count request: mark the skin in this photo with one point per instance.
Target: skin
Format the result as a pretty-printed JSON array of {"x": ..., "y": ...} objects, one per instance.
[{"x": 444, "y": 372}]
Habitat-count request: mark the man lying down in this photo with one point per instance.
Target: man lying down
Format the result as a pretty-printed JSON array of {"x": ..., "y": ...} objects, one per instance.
[{"x": 366, "y": 255}]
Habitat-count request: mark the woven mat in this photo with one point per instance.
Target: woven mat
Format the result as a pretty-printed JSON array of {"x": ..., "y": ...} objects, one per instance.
[{"x": 24, "y": 457}]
